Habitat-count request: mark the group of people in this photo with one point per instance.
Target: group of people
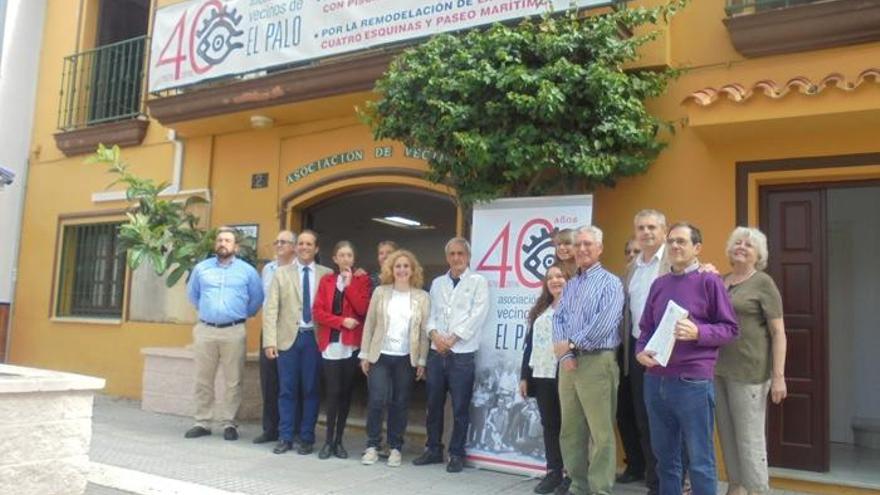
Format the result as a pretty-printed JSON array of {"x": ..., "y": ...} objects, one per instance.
[
  {"x": 586, "y": 360},
  {"x": 588, "y": 364},
  {"x": 336, "y": 323}
]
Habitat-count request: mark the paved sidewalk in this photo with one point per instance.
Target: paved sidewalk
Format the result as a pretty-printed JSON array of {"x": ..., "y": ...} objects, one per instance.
[{"x": 137, "y": 452}]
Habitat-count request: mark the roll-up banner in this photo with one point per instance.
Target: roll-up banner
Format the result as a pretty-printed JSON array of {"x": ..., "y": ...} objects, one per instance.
[
  {"x": 512, "y": 247},
  {"x": 198, "y": 40}
]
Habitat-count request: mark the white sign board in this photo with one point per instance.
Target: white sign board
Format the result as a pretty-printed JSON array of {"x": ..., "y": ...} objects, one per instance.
[
  {"x": 204, "y": 39},
  {"x": 512, "y": 247}
]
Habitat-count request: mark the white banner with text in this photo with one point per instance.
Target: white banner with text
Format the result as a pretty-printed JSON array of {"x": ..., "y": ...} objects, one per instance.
[
  {"x": 198, "y": 40},
  {"x": 512, "y": 247}
]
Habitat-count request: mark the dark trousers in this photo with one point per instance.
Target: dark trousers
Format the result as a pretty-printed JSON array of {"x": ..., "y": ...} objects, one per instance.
[
  {"x": 390, "y": 381},
  {"x": 269, "y": 390},
  {"x": 298, "y": 369},
  {"x": 637, "y": 384},
  {"x": 338, "y": 380},
  {"x": 547, "y": 396},
  {"x": 627, "y": 424},
  {"x": 452, "y": 373}
]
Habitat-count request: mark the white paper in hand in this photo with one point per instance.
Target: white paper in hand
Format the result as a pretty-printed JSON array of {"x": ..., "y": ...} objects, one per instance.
[{"x": 663, "y": 339}]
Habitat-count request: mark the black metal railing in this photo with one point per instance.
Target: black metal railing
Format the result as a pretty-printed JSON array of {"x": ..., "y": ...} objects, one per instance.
[
  {"x": 103, "y": 84},
  {"x": 737, "y": 7}
]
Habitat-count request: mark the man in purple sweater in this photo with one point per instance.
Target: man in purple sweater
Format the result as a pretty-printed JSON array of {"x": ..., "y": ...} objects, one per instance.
[{"x": 680, "y": 397}]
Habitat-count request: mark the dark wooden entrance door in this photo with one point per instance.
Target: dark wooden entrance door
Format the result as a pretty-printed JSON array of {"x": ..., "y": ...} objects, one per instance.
[{"x": 795, "y": 223}]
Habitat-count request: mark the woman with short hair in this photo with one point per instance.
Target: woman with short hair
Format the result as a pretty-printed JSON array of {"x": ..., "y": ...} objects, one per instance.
[
  {"x": 339, "y": 311},
  {"x": 394, "y": 350},
  {"x": 750, "y": 366}
]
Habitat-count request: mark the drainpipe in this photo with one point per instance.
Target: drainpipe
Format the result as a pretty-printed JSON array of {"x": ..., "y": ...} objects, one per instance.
[{"x": 173, "y": 190}]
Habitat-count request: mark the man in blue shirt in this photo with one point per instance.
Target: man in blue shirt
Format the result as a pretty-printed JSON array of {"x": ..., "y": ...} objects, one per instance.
[
  {"x": 226, "y": 291},
  {"x": 586, "y": 335}
]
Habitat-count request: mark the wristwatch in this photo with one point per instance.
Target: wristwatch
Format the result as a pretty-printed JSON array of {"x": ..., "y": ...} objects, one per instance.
[{"x": 571, "y": 345}]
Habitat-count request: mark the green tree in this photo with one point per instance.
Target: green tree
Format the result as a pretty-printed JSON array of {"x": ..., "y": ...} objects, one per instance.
[
  {"x": 543, "y": 105},
  {"x": 163, "y": 232}
]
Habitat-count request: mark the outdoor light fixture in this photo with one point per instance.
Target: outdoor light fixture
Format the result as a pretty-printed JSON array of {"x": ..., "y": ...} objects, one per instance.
[
  {"x": 261, "y": 121},
  {"x": 402, "y": 222},
  {"x": 6, "y": 177}
]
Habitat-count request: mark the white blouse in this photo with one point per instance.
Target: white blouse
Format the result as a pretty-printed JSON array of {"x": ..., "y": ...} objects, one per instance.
[
  {"x": 543, "y": 360},
  {"x": 396, "y": 341}
]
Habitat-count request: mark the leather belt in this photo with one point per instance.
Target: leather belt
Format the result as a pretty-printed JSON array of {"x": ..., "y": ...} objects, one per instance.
[{"x": 223, "y": 325}]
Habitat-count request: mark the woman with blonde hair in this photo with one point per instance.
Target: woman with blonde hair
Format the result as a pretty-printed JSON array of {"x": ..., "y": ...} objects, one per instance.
[
  {"x": 563, "y": 241},
  {"x": 750, "y": 366},
  {"x": 394, "y": 350}
]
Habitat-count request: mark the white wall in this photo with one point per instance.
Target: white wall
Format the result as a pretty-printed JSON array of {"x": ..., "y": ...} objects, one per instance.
[
  {"x": 854, "y": 292},
  {"x": 23, "y": 34}
]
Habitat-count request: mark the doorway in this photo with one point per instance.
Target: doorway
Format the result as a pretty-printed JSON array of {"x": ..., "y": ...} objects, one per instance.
[
  {"x": 421, "y": 221},
  {"x": 823, "y": 240}
]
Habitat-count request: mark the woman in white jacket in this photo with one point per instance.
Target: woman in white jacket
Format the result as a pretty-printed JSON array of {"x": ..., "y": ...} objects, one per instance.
[{"x": 394, "y": 350}]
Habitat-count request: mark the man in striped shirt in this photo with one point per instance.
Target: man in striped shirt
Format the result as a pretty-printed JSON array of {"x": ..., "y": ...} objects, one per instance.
[{"x": 585, "y": 332}]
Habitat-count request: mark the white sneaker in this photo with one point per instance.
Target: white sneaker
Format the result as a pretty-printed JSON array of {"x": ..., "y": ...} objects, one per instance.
[
  {"x": 370, "y": 456},
  {"x": 394, "y": 458}
]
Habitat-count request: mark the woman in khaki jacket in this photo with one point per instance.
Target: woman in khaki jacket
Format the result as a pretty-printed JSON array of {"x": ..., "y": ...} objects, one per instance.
[{"x": 394, "y": 350}]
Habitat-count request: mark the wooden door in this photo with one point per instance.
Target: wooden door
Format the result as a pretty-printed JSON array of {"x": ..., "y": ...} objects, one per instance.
[{"x": 795, "y": 224}]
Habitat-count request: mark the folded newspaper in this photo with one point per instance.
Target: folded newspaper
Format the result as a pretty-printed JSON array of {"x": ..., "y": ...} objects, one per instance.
[{"x": 663, "y": 339}]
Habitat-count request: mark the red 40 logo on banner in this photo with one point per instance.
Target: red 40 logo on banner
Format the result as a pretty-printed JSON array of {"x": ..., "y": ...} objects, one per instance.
[
  {"x": 211, "y": 39},
  {"x": 533, "y": 253}
]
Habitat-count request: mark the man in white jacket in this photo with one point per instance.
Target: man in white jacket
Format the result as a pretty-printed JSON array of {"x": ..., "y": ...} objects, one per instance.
[{"x": 459, "y": 306}]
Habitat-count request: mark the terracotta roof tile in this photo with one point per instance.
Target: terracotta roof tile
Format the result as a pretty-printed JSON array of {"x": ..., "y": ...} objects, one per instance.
[{"x": 738, "y": 93}]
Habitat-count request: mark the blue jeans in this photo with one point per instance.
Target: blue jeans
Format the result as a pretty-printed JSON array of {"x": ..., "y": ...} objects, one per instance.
[
  {"x": 390, "y": 380},
  {"x": 453, "y": 373},
  {"x": 682, "y": 409},
  {"x": 298, "y": 369}
]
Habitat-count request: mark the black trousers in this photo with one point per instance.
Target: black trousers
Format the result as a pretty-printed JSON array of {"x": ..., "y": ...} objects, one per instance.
[
  {"x": 338, "y": 380},
  {"x": 547, "y": 396},
  {"x": 637, "y": 385},
  {"x": 269, "y": 390},
  {"x": 626, "y": 421}
]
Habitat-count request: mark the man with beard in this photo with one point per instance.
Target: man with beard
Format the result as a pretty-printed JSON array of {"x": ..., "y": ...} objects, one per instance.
[{"x": 226, "y": 291}]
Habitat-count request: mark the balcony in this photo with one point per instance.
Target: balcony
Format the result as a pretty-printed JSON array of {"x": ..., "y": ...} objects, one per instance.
[
  {"x": 101, "y": 98},
  {"x": 770, "y": 27}
]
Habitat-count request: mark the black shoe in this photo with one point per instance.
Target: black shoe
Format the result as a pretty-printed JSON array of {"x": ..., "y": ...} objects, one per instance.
[
  {"x": 326, "y": 451},
  {"x": 305, "y": 448},
  {"x": 266, "y": 438},
  {"x": 551, "y": 481},
  {"x": 340, "y": 451},
  {"x": 630, "y": 477},
  {"x": 230, "y": 433},
  {"x": 428, "y": 457},
  {"x": 282, "y": 446},
  {"x": 196, "y": 432},
  {"x": 563, "y": 487},
  {"x": 455, "y": 465}
]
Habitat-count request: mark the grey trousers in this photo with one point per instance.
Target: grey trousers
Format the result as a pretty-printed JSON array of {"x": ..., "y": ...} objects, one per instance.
[{"x": 741, "y": 411}]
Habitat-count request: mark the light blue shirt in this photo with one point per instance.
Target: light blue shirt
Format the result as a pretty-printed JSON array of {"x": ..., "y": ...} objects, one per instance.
[
  {"x": 313, "y": 289},
  {"x": 590, "y": 311},
  {"x": 225, "y": 293},
  {"x": 267, "y": 275}
]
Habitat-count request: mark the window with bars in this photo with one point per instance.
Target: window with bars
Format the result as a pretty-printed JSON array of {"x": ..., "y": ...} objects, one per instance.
[{"x": 92, "y": 274}]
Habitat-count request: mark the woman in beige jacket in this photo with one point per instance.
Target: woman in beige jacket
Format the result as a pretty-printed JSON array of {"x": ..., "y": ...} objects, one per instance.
[{"x": 394, "y": 350}]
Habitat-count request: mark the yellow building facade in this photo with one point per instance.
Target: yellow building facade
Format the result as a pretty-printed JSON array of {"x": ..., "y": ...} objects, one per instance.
[{"x": 776, "y": 127}]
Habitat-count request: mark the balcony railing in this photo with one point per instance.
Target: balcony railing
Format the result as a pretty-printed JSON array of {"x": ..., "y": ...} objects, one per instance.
[
  {"x": 102, "y": 85},
  {"x": 737, "y": 7}
]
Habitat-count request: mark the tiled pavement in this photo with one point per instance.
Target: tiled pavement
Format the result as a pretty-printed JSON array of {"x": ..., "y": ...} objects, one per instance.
[{"x": 126, "y": 437}]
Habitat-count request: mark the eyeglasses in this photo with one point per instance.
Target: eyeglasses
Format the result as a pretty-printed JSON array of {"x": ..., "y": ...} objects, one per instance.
[
  {"x": 281, "y": 242},
  {"x": 680, "y": 241}
]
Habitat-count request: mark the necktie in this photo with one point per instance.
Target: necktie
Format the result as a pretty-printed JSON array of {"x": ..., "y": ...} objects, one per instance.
[
  {"x": 307, "y": 296},
  {"x": 455, "y": 281}
]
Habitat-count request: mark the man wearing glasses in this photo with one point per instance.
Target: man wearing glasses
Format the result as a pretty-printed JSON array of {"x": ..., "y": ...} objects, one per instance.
[
  {"x": 680, "y": 396},
  {"x": 284, "y": 254}
]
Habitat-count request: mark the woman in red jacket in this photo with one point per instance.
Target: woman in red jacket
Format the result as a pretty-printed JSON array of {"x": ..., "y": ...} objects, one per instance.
[{"x": 339, "y": 310}]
